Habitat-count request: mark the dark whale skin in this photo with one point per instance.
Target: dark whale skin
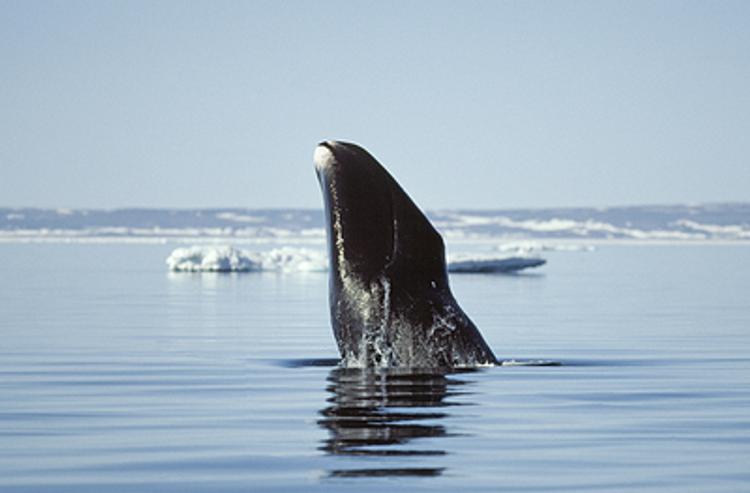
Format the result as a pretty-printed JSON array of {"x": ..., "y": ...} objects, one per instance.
[{"x": 390, "y": 300}]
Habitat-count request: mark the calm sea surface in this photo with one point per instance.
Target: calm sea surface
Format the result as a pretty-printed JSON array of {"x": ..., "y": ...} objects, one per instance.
[{"x": 117, "y": 376}]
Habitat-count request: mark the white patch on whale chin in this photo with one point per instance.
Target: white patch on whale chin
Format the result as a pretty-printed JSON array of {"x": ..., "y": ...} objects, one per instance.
[{"x": 322, "y": 157}]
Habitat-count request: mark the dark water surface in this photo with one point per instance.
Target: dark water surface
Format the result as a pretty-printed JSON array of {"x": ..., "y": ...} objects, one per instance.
[{"x": 117, "y": 376}]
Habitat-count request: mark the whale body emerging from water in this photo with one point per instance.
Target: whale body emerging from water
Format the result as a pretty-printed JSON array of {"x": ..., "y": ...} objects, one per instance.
[{"x": 391, "y": 304}]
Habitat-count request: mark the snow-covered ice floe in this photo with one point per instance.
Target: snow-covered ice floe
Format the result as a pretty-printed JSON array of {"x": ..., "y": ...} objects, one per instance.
[
  {"x": 229, "y": 259},
  {"x": 290, "y": 259},
  {"x": 477, "y": 263},
  {"x": 529, "y": 362}
]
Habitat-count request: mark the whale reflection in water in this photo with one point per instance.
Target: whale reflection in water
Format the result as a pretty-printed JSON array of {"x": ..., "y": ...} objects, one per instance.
[{"x": 377, "y": 413}]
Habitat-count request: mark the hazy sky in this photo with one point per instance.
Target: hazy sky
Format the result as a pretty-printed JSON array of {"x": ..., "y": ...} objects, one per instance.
[{"x": 469, "y": 104}]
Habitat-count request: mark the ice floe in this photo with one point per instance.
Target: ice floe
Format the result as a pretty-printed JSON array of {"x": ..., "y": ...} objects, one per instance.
[
  {"x": 230, "y": 259},
  {"x": 292, "y": 259},
  {"x": 482, "y": 263}
]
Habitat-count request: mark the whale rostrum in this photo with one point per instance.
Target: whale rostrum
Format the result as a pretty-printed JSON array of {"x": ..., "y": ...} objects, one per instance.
[{"x": 390, "y": 300}]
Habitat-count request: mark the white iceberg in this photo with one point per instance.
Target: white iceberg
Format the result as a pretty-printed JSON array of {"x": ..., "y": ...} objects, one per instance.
[
  {"x": 488, "y": 264},
  {"x": 212, "y": 259},
  {"x": 229, "y": 259},
  {"x": 289, "y": 259}
]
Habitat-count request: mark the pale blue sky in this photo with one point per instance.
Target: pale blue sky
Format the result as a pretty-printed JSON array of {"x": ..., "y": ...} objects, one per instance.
[{"x": 469, "y": 104}]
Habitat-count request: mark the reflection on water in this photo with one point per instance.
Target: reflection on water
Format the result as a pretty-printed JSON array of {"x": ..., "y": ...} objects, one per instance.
[{"x": 379, "y": 413}]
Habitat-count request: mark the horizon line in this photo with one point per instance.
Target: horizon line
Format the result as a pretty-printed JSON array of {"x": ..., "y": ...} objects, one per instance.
[{"x": 298, "y": 208}]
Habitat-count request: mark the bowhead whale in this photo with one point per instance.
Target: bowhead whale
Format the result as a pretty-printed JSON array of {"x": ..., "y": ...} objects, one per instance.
[{"x": 390, "y": 301}]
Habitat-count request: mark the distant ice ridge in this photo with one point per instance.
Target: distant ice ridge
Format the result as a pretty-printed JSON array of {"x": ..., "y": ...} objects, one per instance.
[
  {"x": 663, "y": 224},
  {"x": 636, "y": 223},
  {"x": 565, "y": 227},
  {"x": 291, "y": 259},
  {"x": 229, "y": 259},
  {"x": 531, "y": 247},
  {"x": 733, "y": 231}
]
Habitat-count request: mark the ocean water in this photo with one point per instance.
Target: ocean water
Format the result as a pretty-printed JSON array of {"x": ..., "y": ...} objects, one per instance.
[{"x": 119, "y": 376}]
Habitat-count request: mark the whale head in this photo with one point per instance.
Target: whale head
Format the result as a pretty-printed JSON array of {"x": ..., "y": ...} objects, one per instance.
[
  {"x": 357, "y": 192},
  {"x": 389, "y": 296}
]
